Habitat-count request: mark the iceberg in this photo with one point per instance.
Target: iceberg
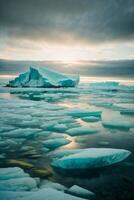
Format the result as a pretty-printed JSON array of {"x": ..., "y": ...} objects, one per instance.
[
  {"x": 91, "y": 158},
  {"x": 43, "y": 77}
]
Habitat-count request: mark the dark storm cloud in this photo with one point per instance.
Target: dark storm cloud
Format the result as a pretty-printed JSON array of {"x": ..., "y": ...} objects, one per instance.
[{"x": 68, "y": 20}]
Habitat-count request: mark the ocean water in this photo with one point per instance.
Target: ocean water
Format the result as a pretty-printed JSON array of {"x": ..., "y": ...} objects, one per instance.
[{"x": 45, "y": 112}]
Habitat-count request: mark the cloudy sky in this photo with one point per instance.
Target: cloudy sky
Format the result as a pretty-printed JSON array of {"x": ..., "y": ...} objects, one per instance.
[{"x": 67, "y": 30}]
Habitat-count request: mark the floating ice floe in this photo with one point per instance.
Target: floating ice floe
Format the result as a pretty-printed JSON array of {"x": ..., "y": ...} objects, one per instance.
[
  {"x": 91, "y": 158},
  {"x": 83, "y": 130},
  {"x": 50, "y": 184},
  {"x": 22, "y": 133},
  {"x": 50, "y": 194},
  {"x": 14, "y": 195},
  {"x": 118, "y": 124},
  {"x": 124, "y": 108},
  {"x": 64, "y": 152},
  {"x": 42, "y": 194},
  {"x": 83, "y": 113},
  {"x": 15, "y": 179},
  {"x": 80, "y": 192},
  {"x": 43, "y": 77},
  {"x": 54, "y": 143},
  {"x": 91, "y": 119},
  {"x": 100, "y": 103}
]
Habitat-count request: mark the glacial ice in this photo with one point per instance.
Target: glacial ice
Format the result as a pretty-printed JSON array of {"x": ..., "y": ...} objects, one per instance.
[
  {"x": 91, "y": 119},
  {"x": 64, "y": 152},
  {"x": 124, "y": 108},
  {"x": 22, "y": 133},
  {"x": 14, "y": 195},
  {"x": 83, "y": 130},
  {"x": 21, "y": 184},
  {"x": 42, "y": 194},
  {"x": 12, "y": 172},
  {"x": 54, "y": 143},
  {"x": 15, "y": 179},
  {"x": 83, "y": 113},
  {"x": 80, "y": 192},
  {"x": 43, "y": 77},
  {"x": 91, "y": 158},
  {"x": 122, "y": 124},
  {"x": 50, "y": 194},
  {"x": 50, "y": 184}
]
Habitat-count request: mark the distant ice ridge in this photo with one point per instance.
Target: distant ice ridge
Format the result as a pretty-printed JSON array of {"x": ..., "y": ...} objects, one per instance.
[
  {"x": 105, "y": 85},
  {"x": 43, "y": 77}
]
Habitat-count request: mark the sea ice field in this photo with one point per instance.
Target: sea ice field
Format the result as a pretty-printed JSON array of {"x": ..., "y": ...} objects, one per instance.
[{"x": 70, "y": 143}]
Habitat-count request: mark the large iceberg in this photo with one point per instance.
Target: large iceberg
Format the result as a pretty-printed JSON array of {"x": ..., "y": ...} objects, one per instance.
[
  {"x": 43, "y": 77},
  {"x": 91, "y": 158}
]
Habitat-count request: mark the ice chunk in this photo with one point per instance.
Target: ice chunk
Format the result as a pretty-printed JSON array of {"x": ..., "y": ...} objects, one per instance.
[
  {"x": 43, "y": 77},
  {"x": 27, "y": 132},
  {"x": 14, "y": 195},
  {"x": 15, "y": 179},
  {"x": 80, "y": 192},
  {"x": 49, "y": 184},
  {"x": 20, "y": 184},
  {"x": 118, "y": 124},
  {"x": 50, "y": 194},
  {"x": 62, "y": 153},
  {"x": 91, "y": 119},
  {"x": 12, "y": 172},
  {"x": 54, "y": 143},
  {"x": 124, "y": 108},
  {"x": 91, "y": 158},
  {"x": 60, "y": 127},
  {"x": 43, "y": 194},
  {"x": 83, "y": 113},
  {"x": 83, "y": 130},
  {"x": 100, "y": 103}
]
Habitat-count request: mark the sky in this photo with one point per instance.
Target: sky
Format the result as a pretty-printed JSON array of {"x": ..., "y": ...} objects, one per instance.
[{"x": 67, "y": 30}]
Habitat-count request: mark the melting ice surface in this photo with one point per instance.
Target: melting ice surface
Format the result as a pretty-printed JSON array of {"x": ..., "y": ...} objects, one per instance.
[
  {"x": 91, "y": 158},
  {"x": 89, "y": 126}
]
